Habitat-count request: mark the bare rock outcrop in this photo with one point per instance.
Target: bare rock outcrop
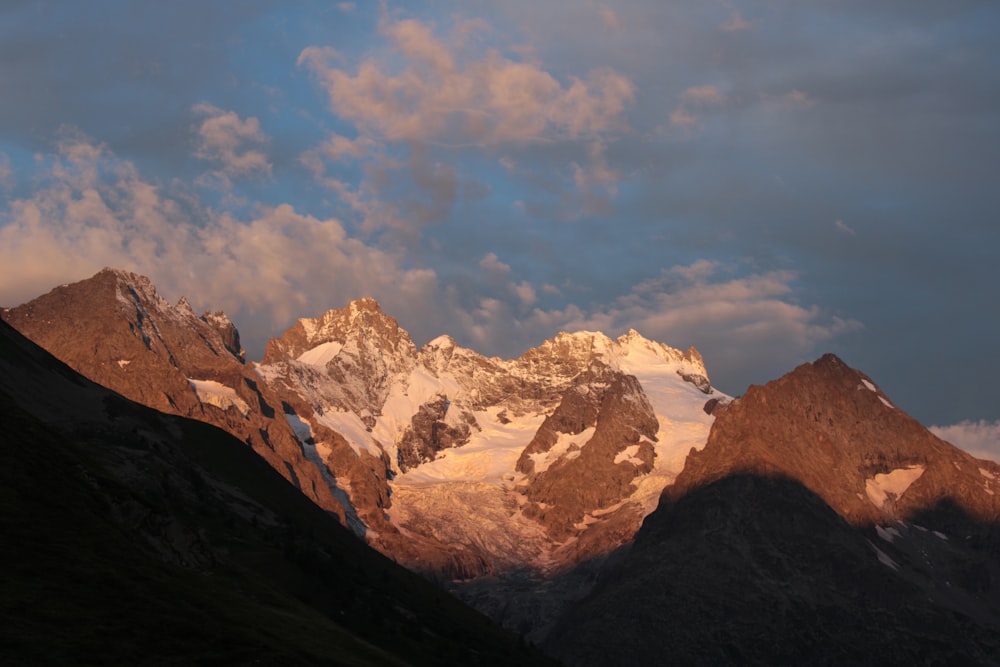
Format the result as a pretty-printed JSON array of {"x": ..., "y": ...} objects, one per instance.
[
  {"x": 116, "y": 330},
  {"x": 832, "y": 429}
]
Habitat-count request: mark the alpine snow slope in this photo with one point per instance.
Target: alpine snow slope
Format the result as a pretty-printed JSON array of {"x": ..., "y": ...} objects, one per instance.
[{"x": 490, "y": 465}]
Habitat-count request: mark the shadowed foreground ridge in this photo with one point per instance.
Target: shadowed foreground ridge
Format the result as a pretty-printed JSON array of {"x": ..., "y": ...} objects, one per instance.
[
  {"x": 819, "y": 525},
  {"x": 133, "y": 537}
]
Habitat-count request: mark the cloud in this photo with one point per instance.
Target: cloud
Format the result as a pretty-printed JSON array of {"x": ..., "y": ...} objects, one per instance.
[
  {"x": 525, "y": 293},
  {"x": 735, "y": 23},
  {"x": 228, "y": 141},
  {"x": 96, "y": 210},
  {"x": 692, "y": 100},
  {"x": 432, "y": 97},
  {"x": 844, "y": 227},
  {"x": 610, "y": 20},
  {"x": 434, "y": 94},
  {"x": 979, "y": 438},
  {"x": 706, "y": 95},
  {"x": 704, "y": 304},
  {"x": 490, "y": 263}
]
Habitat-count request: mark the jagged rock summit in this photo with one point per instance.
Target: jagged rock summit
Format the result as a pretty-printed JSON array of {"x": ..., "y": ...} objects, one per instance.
[{"x": 498, "y": 447}]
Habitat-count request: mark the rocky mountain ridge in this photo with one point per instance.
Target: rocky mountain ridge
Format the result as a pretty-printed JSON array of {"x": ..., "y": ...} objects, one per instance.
[
  {"x": 591, "y": 483},
  {"x": 455, "y": 464},
  {"x": 116, "y": 330}
]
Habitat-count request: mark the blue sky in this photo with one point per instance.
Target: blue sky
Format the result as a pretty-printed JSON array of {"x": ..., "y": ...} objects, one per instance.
[{"x": 767, "y": 181}]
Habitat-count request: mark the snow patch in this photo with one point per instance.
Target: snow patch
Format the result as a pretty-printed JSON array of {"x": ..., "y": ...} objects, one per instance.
[
  {"x": 884, "y": 558},
  {"x": 219, "y": 395},
  {"x": 488, "y": 458},
  {"x": 887, "y": 533},
  {"x": 986, "y": 473},
  {"x": 321, "y": 354},
  {"x": 894, "y": 483},
  {"x": 122, "y": 363},
  {"x": 868, "y": 385},
  {"x": 562, "y": 449},
  {"x": 886, "y": 403},
  {"x": 352, "y": 428},
  {"x": 940, "y": 535},
  {"x": 630, "y": 454}
]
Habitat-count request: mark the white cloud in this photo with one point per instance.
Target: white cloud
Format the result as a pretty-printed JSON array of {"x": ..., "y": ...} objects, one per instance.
[
  {"x": 433, "y": 96},
  {"x": 492, "y": 264},
  {"x": 525, "y": 293},
  {"x": 96, "y": 210},
  {"x": 231, "y": 142},
  {"x": 844, "y": 227},
  {"x": 979, "y": 438}
]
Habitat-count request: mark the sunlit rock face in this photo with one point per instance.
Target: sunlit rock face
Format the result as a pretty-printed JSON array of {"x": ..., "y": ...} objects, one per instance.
[
  {"x": 116, "y": 330},
  {"x": 831, "y": 428}
]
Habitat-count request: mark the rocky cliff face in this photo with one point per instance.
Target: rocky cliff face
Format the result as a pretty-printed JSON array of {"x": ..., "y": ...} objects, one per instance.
[
  {"x": 116, "y": 330},
  {"x": 536, "y": 462}
]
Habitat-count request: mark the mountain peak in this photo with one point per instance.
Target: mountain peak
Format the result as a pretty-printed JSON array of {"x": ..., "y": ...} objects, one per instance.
[
  {"x": 365, "y": 304},
  {"x": 825, "y": 417}
]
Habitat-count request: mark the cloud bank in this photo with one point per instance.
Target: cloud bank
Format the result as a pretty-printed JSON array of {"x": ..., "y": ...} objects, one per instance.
[{"x": 980, "y": 438}]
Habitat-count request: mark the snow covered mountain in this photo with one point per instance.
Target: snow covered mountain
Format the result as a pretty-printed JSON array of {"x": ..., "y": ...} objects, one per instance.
[
  {"x": 454, "y": 464},
  {"x": 596, "y": 495},
  {"x": 489, "y": 465}
]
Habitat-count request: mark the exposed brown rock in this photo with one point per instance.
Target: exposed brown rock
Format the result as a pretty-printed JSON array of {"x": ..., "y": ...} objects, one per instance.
[
  {"x": 831, "y": 428},
  {"x": 579, "y": 483},
  {"x": 116, "y": 330},
  {"x": 429, "y": 434}
]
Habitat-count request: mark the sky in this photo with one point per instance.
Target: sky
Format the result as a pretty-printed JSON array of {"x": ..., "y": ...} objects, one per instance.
[{"x": 767, "y": 181}]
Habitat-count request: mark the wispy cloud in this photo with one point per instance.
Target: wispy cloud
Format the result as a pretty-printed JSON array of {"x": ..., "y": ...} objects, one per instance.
[
  {"x": 434, "y": 95},
  {"x": 97, "y": 210},
  {"x": 230, "y": 142},
  {"x": 844, "y": 227},
  {"x": 979, "y": 438},
  {"x": 693, "y": 101}
]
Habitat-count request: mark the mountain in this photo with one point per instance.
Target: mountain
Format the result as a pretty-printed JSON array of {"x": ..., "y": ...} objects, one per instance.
[
  {"x": 819, "y": 524},
  {"x": 596, "y": 495},
  {"x": 137, "y": 537},
  {"x": 492, "y": 476},
  {"x": 463, "y": 466},
  {"x": 114, "y": 329}
]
